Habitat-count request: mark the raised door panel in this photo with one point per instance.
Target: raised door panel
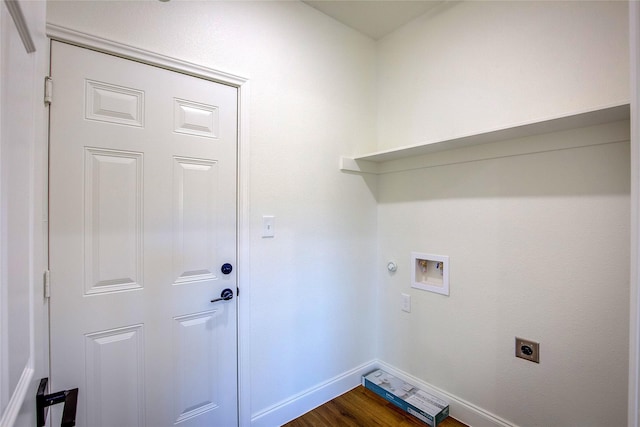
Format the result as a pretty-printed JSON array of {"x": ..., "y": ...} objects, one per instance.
[
  {"x": 195, "y": 219},
  {"x": 196, "y": 118},
  {"x": 115, "y": 392},
  {"x": 113, "y": 221},
  {"x": 196, "y": 363},
  {"x": 114, "y": 104}
]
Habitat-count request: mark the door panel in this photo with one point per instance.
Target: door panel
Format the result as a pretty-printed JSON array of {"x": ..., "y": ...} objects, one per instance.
[
  {"x": 194, "y": 212},
  {"x": 195, "y": 346},
  {"x": 143, "y": 214},
  {"x": 115, "y": 377},
  {"x": 113, "y": 221}
]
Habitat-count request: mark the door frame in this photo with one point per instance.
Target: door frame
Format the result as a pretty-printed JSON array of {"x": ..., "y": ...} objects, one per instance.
[
  {"x": 80, "y": 39},
  {"x": 633, "y": 406}
]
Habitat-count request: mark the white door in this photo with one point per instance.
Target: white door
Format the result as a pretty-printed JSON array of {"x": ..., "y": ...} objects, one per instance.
[{"x": 142, "y": 217}]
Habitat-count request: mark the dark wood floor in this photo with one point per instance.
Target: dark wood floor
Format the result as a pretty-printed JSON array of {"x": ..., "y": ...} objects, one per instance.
[{"x": 362, "y": 408}]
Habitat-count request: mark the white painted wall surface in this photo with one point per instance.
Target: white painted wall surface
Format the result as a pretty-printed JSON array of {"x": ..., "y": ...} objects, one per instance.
[
  {"x": 538, "y": 243},
  {"x": 545, "y": 234},
  {"x": 23, "y": 357},
  {"x": 481, "y": 66},
  {"x": 539, "y": 248},
  {"x": 312, "y": 98}
]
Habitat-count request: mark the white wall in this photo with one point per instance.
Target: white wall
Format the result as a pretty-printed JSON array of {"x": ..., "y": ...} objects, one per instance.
[
  {"x": 542, "y": 234},
  {"x": 480, "y": 66},
  {"x": 23, "y": 358},
  {"x": 312, "y": 97},
  {"x": 539, "y": 242},
  {"x": 538, "y": 247}
]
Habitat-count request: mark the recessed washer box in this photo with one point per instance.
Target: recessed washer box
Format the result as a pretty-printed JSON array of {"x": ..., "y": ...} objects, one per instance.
[
  {"x": 430, "y": 272},
  {"x": 422, "y": 405}
]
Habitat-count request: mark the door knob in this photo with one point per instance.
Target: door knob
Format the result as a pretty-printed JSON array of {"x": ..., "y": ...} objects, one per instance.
[{"x": 226, "y": 295}]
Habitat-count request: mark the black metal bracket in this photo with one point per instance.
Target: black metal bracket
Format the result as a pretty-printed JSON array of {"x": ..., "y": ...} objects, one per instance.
[{"x": 43, "y": 401}]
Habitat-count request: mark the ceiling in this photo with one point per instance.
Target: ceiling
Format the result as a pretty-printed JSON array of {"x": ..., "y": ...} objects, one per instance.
[{"x": 375, "y": 18}]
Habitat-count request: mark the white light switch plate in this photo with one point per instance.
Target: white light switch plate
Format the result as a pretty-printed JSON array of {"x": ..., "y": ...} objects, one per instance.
[{"x": 268, "y": 226}]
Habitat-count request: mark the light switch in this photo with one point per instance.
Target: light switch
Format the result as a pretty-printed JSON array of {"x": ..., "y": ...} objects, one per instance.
[{"x": 268, "y": 226}]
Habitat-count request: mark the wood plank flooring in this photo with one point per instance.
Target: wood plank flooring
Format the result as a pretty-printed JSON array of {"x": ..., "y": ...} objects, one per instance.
[{"x": 362, "y": 408}]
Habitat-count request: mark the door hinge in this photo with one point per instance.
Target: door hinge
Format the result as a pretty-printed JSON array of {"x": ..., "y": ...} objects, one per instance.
[
  {"x": 47, "y": 284},
  {"x": 48, "y": 90}
]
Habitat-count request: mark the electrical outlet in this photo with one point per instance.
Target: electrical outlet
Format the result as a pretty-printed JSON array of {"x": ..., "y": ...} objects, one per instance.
[
  {"x": 528, "y": 350},
  {"x": 406, "y": 303}
]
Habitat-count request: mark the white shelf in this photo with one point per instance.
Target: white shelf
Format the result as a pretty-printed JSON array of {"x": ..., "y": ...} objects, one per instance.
[{"x": 368, "y": 163}]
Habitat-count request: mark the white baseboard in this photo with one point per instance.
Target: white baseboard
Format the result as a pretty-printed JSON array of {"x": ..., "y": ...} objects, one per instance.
[
  {"x": 289, "y": 409},
  {"x": 18, "y": 397},
  {"x": 459, "y": 409}
]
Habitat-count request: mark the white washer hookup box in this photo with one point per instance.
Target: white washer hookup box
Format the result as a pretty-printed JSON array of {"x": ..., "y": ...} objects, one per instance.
[{"x": 422, "y": 405}]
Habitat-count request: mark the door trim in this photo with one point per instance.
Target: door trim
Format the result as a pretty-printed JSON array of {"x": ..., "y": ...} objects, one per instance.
[
  {"x": 63, "y": 34},
  {"x": 634, "y": 309}
]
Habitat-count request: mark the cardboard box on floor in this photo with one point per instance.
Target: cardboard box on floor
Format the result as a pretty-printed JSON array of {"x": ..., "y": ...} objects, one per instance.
[{"x": 418, "y": 403}]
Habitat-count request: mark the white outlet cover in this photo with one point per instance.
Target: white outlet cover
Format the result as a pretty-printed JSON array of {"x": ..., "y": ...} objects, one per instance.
[{"x": 406, "y": 303}]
